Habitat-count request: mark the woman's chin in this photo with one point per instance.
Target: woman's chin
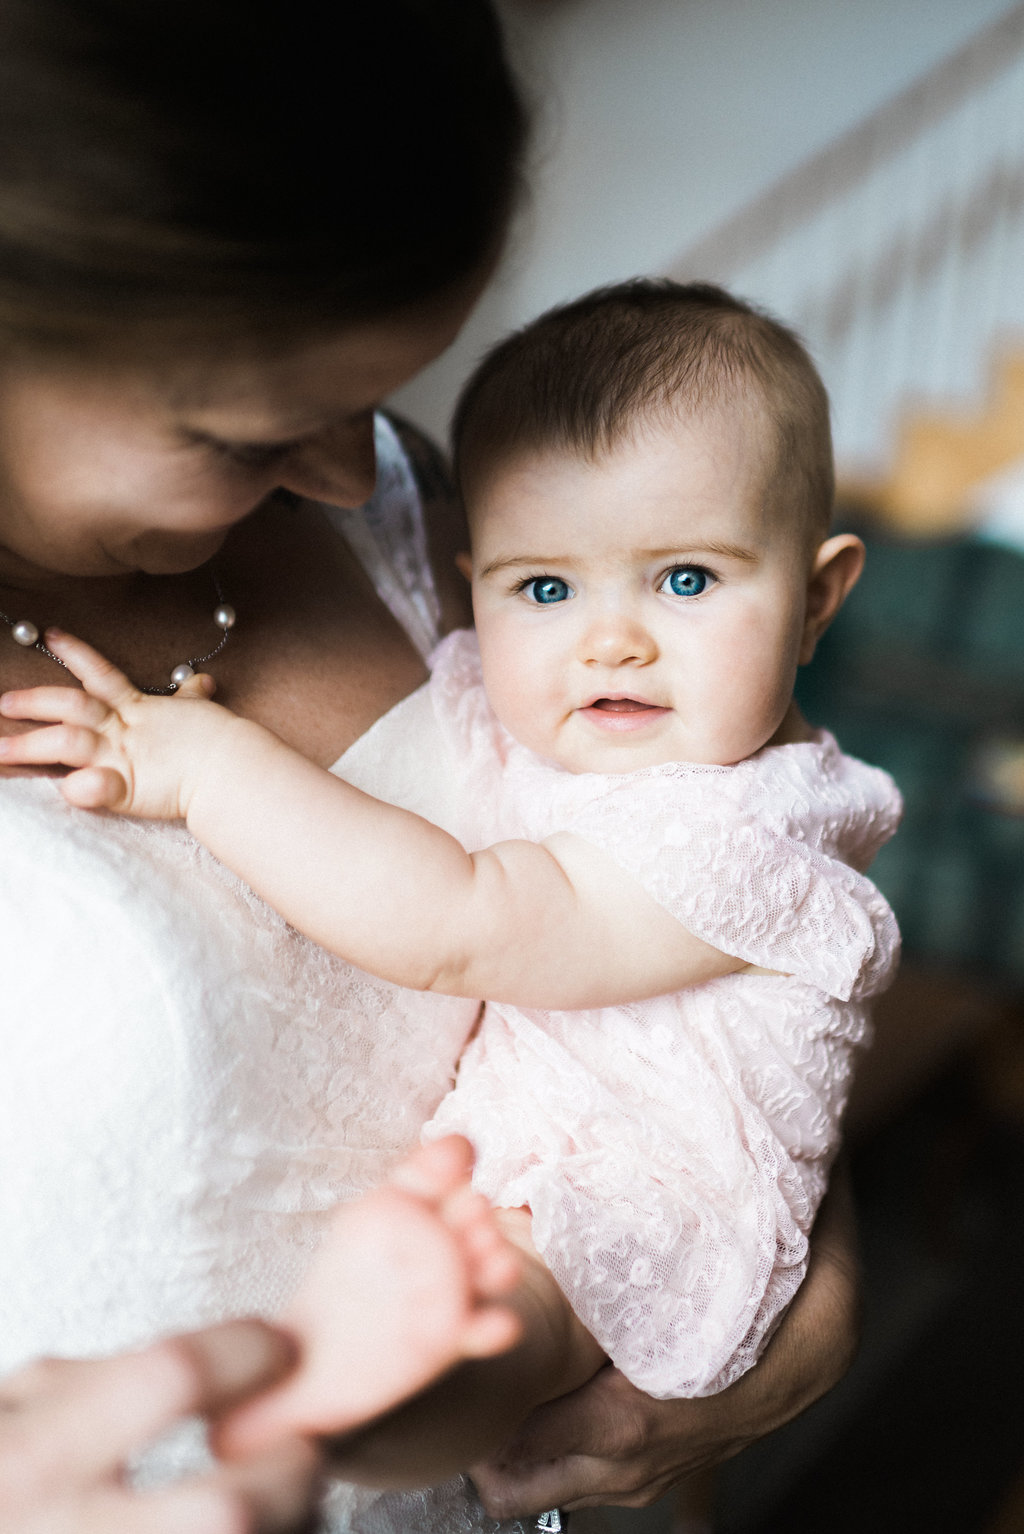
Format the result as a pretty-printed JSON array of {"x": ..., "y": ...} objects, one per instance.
[{"x": 173, "y": 553}]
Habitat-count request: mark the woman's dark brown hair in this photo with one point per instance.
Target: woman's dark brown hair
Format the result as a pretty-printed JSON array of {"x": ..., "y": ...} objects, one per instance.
[{"x": 247, "y": 172}]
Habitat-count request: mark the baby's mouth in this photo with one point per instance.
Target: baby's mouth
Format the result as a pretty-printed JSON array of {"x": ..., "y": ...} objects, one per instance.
[{"x": 623, "y": 713}]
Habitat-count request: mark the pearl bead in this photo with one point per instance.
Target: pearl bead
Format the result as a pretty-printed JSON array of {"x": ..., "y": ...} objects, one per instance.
[
  {"x": 181, "y": 673},
  {"x": 25, "y": 633},
  {"x": 225, "y": 616}
]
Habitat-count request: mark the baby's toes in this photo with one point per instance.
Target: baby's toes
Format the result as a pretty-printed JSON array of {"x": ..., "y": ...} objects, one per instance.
[
  {"x": 465, "y": 1211},
  {"x": 493, "y": 1329},
  {"x": 254, "y": 1429},
  {"x": 493, "y": 1263},
  {"x": 436, "y": 1171},
  {"x": 496, "y": 1269}
]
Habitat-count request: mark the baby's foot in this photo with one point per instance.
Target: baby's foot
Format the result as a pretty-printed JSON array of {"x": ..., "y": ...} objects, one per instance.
[{"x": 405, "y": 1284}]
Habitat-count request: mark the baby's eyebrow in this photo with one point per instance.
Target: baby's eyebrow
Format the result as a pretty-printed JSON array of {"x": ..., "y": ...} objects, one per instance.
[
  {"x": 680, "y": 553},
  {"x": 701, "y": 551},
  {"x": 516, "y": 561}
]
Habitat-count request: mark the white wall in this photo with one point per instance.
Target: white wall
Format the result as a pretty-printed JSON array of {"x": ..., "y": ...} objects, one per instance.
[{"x": 656, "y": 119}]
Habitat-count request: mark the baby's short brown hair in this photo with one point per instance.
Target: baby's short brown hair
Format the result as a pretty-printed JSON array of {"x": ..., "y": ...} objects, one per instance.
[{"x": 583, "y": 376}]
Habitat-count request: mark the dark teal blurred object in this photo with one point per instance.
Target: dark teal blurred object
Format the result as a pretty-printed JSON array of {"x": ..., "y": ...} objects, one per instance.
[{"x": 923, "y": 674}]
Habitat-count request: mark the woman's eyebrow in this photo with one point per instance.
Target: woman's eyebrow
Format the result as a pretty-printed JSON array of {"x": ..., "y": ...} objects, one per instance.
[
  {"x": 209, "y": 438},
  {"x": 221, "y": 421}
]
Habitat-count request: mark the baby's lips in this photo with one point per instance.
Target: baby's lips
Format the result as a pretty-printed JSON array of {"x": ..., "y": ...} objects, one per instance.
[{"x": 622, "y": 705}]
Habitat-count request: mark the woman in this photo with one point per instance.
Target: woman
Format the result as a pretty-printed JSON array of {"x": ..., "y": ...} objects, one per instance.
[{"x": 223, "y": 242}]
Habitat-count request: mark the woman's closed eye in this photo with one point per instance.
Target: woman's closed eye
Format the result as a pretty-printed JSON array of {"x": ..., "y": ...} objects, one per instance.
[
  {"x": 246, "y": 455},
  {"x": 687, "y": 581},
  {"x": 545, "y": 590}
]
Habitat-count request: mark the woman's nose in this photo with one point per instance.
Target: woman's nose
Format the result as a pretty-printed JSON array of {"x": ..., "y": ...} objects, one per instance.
[
  {"x": 616, "y": 639},
  {"x": 338, "y": 465}
]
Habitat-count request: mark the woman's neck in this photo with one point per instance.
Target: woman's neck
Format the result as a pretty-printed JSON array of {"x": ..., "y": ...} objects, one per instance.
[
  {"x": 315, "y": 655},
  {"x": 112, "y": 611},
  {"x": 29, "y": 587}
]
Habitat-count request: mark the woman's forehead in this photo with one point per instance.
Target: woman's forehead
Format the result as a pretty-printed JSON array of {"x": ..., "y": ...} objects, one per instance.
[{"x": 351, "y": 368}]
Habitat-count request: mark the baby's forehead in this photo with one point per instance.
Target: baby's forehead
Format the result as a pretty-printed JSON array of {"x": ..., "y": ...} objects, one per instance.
[
  {"x": 750, "y": 432},
  {"x": 740, "y": 437}
]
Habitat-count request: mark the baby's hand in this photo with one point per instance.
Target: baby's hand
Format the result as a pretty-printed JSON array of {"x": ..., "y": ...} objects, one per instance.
[
  {"x": 408, "y": 1281},
  {"x": 132, "y": 753}
]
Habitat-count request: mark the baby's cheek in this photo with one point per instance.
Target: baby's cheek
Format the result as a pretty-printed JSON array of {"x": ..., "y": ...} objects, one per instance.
[
  {"x": 518, "y": 695},
  {"x": 751, "y": 690},
  {"x": 527, "y": 720}
]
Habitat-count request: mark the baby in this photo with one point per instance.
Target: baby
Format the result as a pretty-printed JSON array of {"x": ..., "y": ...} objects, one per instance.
[{"x": 662, "y": 855}]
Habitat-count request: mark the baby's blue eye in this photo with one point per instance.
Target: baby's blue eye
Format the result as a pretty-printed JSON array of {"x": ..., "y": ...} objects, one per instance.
[
  {"x": 546, "y": 589},
  {"x": 686, "y": 581}
]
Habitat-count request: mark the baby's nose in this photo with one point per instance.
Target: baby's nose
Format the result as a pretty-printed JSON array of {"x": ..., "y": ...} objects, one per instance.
[{"x": 617, "y": 640}]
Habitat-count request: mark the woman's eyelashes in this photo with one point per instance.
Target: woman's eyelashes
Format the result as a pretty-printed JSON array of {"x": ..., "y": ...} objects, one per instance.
[
  {"x": 254, "y": 455},
  {"x": 687, "y": 581},
  {"x": 244, "y": 455},
  {"x": 337, "y": 442}
]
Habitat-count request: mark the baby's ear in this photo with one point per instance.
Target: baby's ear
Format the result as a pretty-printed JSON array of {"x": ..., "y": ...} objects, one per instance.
[
  {"x": 464, "y": 564},
  {"x": 833, "y": 575}
]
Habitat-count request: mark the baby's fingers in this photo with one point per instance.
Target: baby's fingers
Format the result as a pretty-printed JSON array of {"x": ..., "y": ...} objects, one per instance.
[
  {"x": 200, "y": 685},
  {"x": 93, "y": 670},
  {"x": 95, "y": 788},
  {"x": 54, "y": 705},
  {"x": 59, "y": 745}
]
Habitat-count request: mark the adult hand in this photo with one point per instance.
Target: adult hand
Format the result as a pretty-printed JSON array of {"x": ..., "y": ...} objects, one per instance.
[
  {"x": 67, "y": 1429},
  {"x": 607, "y": 1444}
]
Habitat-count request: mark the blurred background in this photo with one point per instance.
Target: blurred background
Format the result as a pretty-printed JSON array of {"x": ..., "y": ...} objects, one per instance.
[{"x": 858, "y": 168}]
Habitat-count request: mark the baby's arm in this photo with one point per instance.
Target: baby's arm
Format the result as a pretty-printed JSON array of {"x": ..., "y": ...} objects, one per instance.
[{"x": 556, "y": 924}]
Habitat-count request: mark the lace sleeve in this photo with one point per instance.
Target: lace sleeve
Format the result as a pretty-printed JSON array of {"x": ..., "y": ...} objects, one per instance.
[
  {"x": 705, "y": 849},
  {"x": 762, "y": 860}
]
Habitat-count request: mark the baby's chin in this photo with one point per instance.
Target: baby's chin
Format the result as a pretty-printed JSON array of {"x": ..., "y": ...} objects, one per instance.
[
  {"x": 586, "y": 747},
  {"x": 583, "y": 746}
]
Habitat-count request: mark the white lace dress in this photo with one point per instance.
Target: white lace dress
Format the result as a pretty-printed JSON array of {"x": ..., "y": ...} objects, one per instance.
[
  {"x": 674, "y": 1152},
  {"x": 187, "y": 1086}
]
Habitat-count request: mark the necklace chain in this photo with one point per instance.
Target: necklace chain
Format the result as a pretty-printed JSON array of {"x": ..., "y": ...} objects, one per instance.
[{"x": 26, "y": 633}]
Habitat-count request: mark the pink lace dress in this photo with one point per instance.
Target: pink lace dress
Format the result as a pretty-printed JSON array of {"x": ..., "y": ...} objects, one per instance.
[{"x": 674, "y": 1152}]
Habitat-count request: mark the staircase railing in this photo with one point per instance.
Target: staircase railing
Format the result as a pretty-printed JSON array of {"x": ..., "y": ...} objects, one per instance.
[{"x": 898, "y": 251}]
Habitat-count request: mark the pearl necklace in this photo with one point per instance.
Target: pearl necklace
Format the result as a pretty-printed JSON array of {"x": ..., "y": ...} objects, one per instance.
[{"x": 26, "y": 633}]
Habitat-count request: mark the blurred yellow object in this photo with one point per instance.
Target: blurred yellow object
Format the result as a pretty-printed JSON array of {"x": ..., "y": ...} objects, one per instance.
[
  {"x": 998, "y": 775},
  {"x": 943, "y": 455}
]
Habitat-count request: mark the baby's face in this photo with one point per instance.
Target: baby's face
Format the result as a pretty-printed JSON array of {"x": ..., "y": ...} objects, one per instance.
[{"x": 644, "y": 608}]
